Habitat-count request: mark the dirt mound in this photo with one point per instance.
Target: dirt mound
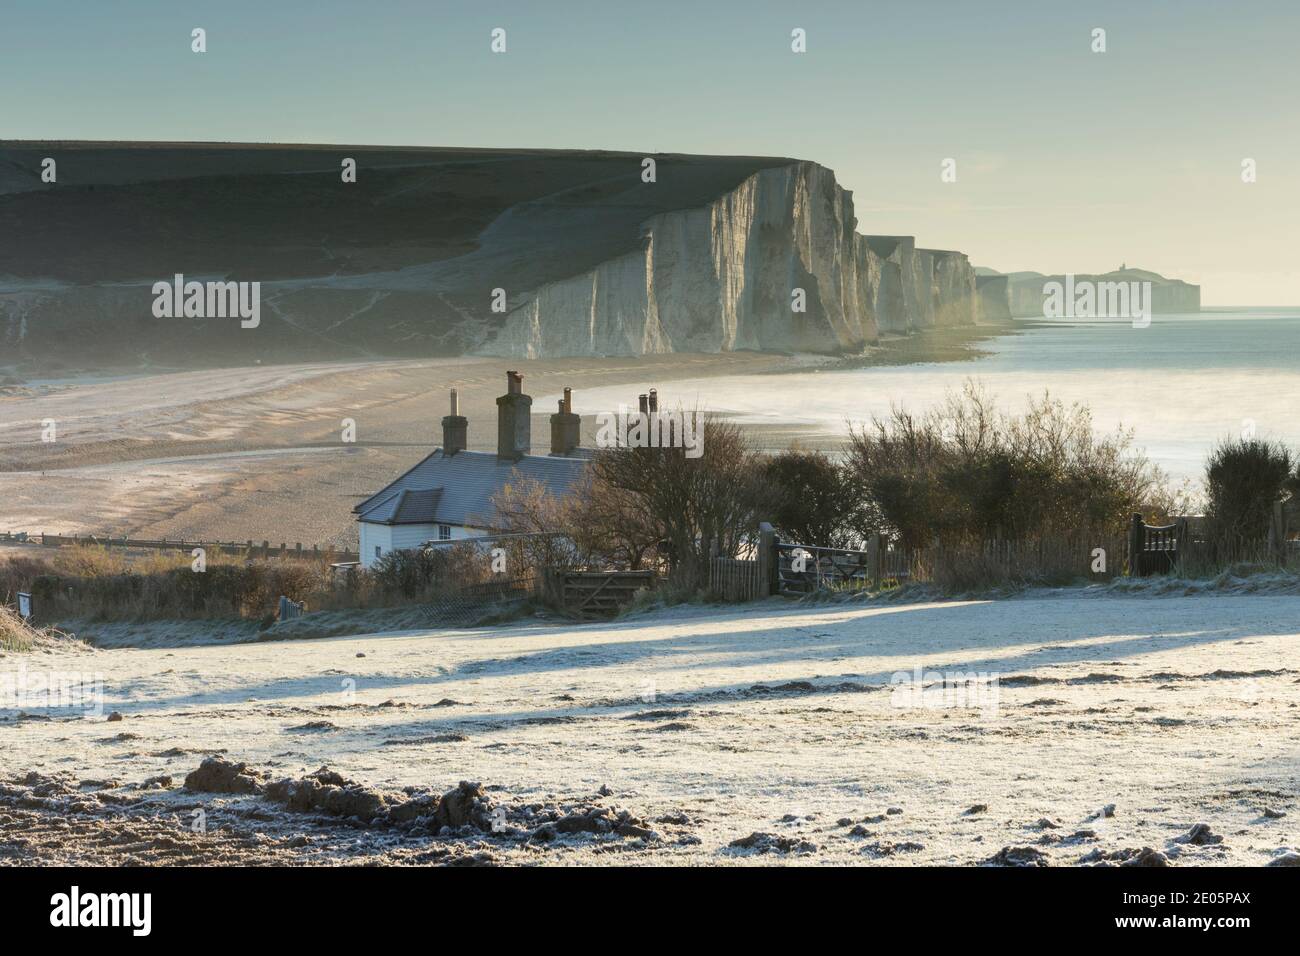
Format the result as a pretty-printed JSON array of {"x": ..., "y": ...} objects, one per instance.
[
  {"x": 326, "y": 791},
  {"x": 771, "y": 843},
  {"x": 466, "y": 809},
  {"x": 218, "y": 775},
  {"x": 885, "y": 848},
  {"x": 1200, "y": 835},
  {"x": 1018, "y": 856},
  {"x": 1129, "y": 856}
]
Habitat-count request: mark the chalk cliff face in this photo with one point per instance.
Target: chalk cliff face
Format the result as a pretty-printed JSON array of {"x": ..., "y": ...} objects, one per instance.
[
  {"x": 993, "y": 304},
  {"x": 724, "y": 276},
  {"x": 417, "y": 256}
]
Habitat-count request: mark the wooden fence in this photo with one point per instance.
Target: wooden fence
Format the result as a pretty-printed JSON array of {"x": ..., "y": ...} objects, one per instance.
[
  {"x": 1183, "y": 546},
  {"x": 737, "y": 579},
  {"x": 1187, "y": 546},
  {"x": 249, "y": 548}
]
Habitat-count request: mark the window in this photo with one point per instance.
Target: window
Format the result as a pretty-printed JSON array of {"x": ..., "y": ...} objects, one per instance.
[
  {"x": 444, "y": 532},
  {"x": 378, "y": 551}
]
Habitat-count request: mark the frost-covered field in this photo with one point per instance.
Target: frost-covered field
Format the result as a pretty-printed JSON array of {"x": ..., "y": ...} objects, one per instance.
[{"x": 707, "y": 725}]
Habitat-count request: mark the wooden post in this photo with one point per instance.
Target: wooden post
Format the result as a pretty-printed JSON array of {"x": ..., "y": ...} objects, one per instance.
[
  {"x": 768, "y": 573},
  {"x": 1136, "y": 541},
  {"x": 874, "y": 557},
  {"x": 1277, "y": 532}
]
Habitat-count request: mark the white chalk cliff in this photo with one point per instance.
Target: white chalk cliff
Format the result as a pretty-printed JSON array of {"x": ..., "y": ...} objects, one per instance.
[{"x": 721, "y": 277}]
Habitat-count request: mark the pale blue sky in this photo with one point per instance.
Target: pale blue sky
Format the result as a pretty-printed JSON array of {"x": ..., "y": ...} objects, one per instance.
[{"x": 1067, "y": 160}]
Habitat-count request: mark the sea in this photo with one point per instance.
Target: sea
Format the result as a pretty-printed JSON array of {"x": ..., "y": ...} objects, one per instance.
[{"x": 1181, "y": 383}]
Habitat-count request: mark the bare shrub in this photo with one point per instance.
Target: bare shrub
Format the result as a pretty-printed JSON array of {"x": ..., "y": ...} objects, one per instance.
[
  {"x": 693, "y": 507},
  {"x": 965, "y": 471},
  {"x": 425, "y": 573},
  {"x": 653, "y": 507}
]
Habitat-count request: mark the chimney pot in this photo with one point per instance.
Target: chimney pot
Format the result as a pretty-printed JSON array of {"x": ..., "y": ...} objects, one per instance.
[
  {"x": 644, "y": 401},
  {"x": 455, "y": 429},
  {"x": 654, "y": 400},
  {"x": 566, "y": 427},
  {"x": 514, "y": 423}
]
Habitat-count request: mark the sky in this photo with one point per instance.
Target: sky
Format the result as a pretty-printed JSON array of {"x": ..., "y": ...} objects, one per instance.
[{"x": 1067, "y": 160}]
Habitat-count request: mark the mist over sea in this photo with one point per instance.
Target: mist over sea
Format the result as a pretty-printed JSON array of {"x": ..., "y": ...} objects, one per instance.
[{"x": 1181, "y": 384}]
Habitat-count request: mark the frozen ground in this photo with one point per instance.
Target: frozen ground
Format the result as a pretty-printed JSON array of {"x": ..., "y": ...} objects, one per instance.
[{"x": 707, "y": 725}]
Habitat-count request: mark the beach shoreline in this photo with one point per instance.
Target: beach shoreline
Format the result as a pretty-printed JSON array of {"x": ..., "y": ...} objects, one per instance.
[{"x": 257, "y": 452}]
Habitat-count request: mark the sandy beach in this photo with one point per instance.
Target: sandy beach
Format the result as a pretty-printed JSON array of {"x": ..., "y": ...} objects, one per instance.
[{"x": 258, "y": 452}]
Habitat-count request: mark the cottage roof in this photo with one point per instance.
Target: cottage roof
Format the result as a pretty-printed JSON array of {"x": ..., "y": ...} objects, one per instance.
[{"x": 458, "y": 489}]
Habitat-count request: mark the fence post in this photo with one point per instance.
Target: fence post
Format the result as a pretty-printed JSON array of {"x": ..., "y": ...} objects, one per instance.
[
  {"x": 874, "y": 556},
  {"x": 1277, "y": 533},
  {"x": 1182, "y": 539},
  {"x": 767, "y": 559},
  {"x": 1136, "y": 541}
]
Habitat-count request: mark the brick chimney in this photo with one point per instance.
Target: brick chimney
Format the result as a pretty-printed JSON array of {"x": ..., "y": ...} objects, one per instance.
[
  {"x": 455, "y": 428},
  {"x": 566, "y": 427},
  {"x": 514, "y": 424}
]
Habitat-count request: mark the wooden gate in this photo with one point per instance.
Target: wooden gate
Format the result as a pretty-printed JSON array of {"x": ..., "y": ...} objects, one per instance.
[
  {"x": 1155, "y": 549},
  {"x": 803, "y": 569},
  {"x": 597, "y": 593}
]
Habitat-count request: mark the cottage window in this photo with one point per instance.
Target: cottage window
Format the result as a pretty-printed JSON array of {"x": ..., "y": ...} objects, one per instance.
[{"x": 444, "y": 532}]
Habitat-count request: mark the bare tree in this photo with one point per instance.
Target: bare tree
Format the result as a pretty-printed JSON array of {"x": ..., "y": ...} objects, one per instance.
[{"x": 690, "y": 506}]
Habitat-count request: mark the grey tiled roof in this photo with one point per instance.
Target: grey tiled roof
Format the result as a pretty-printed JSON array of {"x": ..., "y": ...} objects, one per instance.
[
  {"x": 407, "y": 506},
  {"x": 458, "y": 489}
]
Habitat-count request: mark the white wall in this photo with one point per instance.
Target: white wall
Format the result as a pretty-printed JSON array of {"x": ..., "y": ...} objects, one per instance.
[{"x": 403, "y": 536}]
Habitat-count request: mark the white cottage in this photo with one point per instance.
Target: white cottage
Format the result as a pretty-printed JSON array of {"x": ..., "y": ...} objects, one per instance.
[{"x": 448, "y": 495}]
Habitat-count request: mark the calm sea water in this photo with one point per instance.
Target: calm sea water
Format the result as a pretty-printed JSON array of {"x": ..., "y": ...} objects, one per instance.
[{"x": 1180, "y": 384}]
